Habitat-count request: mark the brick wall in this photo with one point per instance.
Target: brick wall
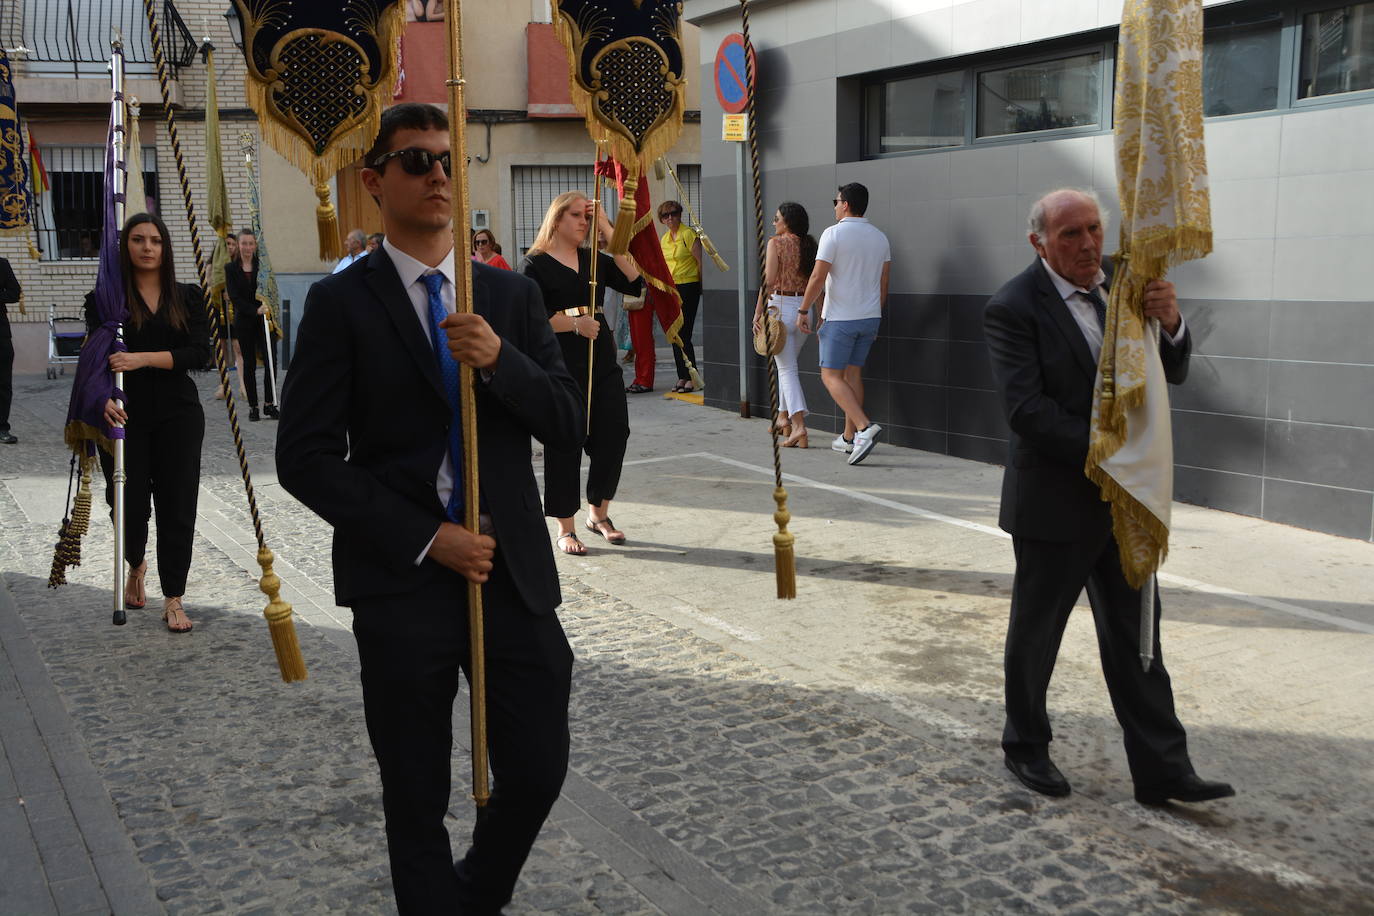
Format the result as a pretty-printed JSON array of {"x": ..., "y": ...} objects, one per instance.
[{"x": 65, "y": 283}]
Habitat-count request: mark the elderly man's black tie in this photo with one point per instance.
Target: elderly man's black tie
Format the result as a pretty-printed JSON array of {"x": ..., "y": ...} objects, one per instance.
[{"x": 1098, "y": 306}]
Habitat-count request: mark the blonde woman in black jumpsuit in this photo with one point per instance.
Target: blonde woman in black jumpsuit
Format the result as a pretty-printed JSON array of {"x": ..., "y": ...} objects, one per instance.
[
  {"x": 167, "y": 333},
  {"x": 559, "y": 263}
]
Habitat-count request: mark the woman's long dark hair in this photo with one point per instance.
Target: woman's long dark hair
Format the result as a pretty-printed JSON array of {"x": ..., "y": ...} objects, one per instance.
[
  {"x": 169, "y": 302},
  {"x": 799, "y": 224}
]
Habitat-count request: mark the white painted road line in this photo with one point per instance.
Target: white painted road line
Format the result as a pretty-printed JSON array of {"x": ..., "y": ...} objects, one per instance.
[
  {"x": 1283, "y": 607},
  {"x": 1218, "y": 847},
  {"x": 725, "y": 626},
  {"x": 936, "y": 719}
]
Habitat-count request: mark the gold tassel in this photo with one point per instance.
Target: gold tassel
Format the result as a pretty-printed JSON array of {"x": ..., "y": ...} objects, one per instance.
[
  {"x": 279, "y": 622},
  {"x": 327, "y": 222},
  {"x": 784, "y": 558},
  {"x": 58, "y": 574},
  {"x": 625, "y": 216},
  {"x": 67, "y": 552},
  {"x": 81, "y": 507}
]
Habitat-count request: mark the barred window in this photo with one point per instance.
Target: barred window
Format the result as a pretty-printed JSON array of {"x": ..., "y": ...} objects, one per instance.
[
  {"x": 70, "y": 214},
  {"x": 535, "y": 187},
  {"x": 1337, "y": 51}
]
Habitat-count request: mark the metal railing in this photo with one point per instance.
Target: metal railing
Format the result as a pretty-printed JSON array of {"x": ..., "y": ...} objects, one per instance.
[{"x": 72, "y": 37}]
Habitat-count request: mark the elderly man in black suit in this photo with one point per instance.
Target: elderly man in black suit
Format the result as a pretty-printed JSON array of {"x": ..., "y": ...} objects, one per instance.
[
  {"x": 367, "y": 440},
  {"x": 9, "y": 292},
  {"x": 1044, "y": 328}
]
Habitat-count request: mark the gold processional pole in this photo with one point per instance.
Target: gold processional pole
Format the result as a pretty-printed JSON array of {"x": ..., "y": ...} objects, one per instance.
[
  {"x": 120, "y": 475},
  {"x": 462, "y": 265},
  {"x": 595, "y": 231}
]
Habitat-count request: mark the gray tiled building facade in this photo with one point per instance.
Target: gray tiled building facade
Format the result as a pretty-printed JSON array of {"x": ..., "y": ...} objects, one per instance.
[{"x": 1277, "y": 417}]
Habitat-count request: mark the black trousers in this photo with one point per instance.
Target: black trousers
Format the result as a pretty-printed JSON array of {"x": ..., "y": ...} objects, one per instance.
[
  {"x": 691, "y": 300},
  {"x": 414, "y": 649},
  {"x": 162, "y": 472},
  {"x": 252, "y": 343},
  {"x": 1049, "y": 578},
  {"x": 605, "y": 448},
  {"x": 6, "y": 380}
]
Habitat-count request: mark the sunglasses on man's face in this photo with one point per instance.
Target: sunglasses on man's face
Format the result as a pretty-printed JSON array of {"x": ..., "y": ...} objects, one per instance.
[
  {"x": 481, "y": 242},
  {"x": 416, "y": 161},
  {"x": 837, "y": 201}
]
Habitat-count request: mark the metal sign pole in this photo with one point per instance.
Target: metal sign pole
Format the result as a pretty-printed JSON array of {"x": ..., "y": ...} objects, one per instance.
[{"x": 742, "y": 281}]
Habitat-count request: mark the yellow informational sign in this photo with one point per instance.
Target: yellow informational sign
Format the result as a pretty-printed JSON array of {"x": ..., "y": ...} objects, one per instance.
[{"x": 734, "y": 128}]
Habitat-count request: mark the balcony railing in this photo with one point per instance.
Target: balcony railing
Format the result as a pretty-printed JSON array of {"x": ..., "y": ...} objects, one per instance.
[{"x": 72, "y": 37}]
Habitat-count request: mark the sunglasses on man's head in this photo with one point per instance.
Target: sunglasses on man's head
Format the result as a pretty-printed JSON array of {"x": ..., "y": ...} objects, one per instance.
[{"x": 416, "y": 161}]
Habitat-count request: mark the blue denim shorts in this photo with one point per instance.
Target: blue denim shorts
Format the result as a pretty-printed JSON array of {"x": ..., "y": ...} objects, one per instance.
[{"x": 846, "y": 343}]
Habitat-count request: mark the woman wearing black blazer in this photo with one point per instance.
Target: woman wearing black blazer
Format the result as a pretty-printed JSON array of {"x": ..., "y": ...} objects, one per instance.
[
  {"x": 167, "y": 333},
  {"x": 241, "y": 286},
  {"x": 559, "y": 263}
]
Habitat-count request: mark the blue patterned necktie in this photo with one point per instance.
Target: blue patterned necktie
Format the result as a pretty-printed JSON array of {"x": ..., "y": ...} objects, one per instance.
[
  {"x": 1099, "y": 307},
  {"x": 448, "y": 371}
]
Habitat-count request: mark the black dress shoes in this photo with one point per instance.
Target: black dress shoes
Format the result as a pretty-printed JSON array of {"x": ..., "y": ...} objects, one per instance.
[
  {"x": 253, "y": 414},
  {"x": 1040, "y": 776},
  {"x": 271, "y": 411},
  {"x": 8, "y": 438},
  {"x": 1190, "y": 788}
]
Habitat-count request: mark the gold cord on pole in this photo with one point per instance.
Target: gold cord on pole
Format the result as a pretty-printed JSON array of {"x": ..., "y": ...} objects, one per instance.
[
  {"x": 784, "y": 553},
  {"x": 280, "y": 625},
  {"x": 462, "y": 264}
]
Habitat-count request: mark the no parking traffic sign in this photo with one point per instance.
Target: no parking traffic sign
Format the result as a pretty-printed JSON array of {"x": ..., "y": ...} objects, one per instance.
[{"x": 732, "y": 74}]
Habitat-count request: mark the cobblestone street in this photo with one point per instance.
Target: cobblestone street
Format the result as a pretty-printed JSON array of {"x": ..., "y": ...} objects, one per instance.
[{"x": 731, "y": 753}]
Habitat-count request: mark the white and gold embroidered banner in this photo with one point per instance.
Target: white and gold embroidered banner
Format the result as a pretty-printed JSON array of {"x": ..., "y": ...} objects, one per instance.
[{"x": 1165, "y": 220}]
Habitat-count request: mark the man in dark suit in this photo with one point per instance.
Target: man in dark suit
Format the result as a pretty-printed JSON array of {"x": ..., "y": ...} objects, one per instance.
[
  {"x": 1044, "y": 328},
  {"x": 365, "y": 441},
  {"x": 9, "y": 292}
]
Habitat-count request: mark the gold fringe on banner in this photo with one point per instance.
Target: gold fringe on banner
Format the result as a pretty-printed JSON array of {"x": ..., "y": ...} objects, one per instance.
[{"x": 350, "y": 140}]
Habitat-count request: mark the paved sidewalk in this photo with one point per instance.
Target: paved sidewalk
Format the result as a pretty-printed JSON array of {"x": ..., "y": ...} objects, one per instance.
[{"x": 731, "y": 753}]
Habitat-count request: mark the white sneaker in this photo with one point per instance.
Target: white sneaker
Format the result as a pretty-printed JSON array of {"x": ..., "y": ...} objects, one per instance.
[
  {"x": 841, "y": 444},
  {"x": 864, "y": 440}
]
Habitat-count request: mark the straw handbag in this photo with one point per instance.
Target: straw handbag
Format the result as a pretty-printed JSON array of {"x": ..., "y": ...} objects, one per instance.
[{"x": 776, "y": 334}]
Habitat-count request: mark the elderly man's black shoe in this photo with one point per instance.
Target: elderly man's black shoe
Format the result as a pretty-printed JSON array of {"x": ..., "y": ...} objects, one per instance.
[
  {"x": 1190, "y": 788},
  {"x": 1040, "y": 776}
]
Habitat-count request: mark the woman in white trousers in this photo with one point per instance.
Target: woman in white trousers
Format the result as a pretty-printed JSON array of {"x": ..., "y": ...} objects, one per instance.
[{"x": 787, "y": 266}]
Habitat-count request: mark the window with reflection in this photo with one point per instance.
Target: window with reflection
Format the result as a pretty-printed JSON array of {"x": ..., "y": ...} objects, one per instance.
[
  {"x": 920, "y": 112},
  {"x": 1049, "y": 95},
  {"x": 1337, "y": 51},
  {"x": 1240, "y": 65}
]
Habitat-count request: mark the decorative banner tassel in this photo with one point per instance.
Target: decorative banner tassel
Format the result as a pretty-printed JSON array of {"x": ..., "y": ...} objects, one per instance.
[
  {"x": 625, "y": 215},
  {"x": 279, "y": 622},
  {"x": 327, "y": 222},
  {"x": 784, "y": 557},
  {"x": 58, "y": 574}
]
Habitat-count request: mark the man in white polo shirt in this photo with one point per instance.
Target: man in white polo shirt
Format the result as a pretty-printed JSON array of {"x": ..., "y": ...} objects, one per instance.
[{"x": 852, "y": 265}]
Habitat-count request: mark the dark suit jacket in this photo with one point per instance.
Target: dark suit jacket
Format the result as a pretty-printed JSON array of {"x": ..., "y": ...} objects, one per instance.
[
  {"x": 1045, "y": 373},
  {"x": 9, "y": 292},
  {"x": 364, "y": 428}
]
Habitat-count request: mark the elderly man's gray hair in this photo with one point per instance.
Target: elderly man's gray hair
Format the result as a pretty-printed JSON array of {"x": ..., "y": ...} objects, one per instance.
[
  {"x": 1037, "y": 210},
  {"x": 358, "y": 235}
]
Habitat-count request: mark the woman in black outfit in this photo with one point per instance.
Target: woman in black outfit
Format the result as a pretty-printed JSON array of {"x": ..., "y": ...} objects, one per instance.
[
  {"x": 562, "y": 268},
  {"x": 167, "y": 333},
  {"x": 241, "y": 285}
]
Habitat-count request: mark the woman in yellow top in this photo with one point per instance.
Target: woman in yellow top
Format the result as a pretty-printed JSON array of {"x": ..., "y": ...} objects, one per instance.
[{"x": 682, "y": 251}]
